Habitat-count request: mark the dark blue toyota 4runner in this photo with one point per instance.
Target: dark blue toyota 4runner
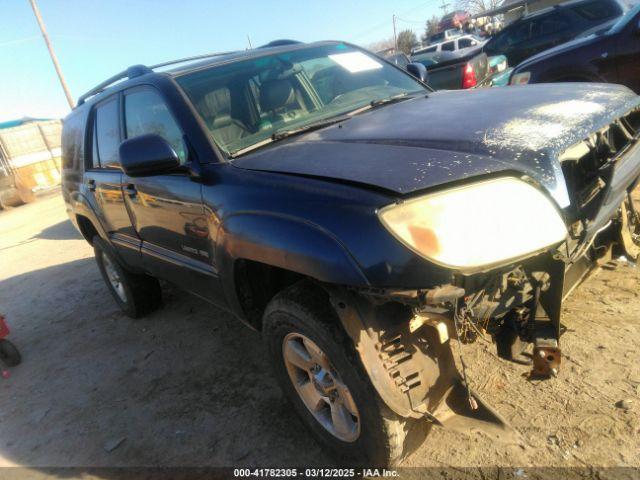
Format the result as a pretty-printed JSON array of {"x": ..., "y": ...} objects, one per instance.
[{"x": 363, "y": 223}]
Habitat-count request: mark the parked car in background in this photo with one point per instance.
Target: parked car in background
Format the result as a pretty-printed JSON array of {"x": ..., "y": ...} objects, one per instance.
[
  {"x": 454, "y": 70},
  {"x": 444, "y": 35},
  {"x": 611, "y": 55},
  {"x": 458, "y": 43},
  {"x": 457, "y": 19},
  {"x": 498, "y": 64},
  {"x": 552, "y": 26}
]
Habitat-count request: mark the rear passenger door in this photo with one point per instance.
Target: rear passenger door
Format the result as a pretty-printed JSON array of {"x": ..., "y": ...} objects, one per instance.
[
  {"x": 103, "y": 179},
  {"x": 167, "y": 210}
]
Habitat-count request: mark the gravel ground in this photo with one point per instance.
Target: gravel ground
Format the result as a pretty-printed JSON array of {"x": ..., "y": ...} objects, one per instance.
[{"x": 190, "y": 386}]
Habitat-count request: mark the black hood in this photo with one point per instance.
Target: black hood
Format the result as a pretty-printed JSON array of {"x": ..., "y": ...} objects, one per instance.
[{"x": 426, "y": 142}]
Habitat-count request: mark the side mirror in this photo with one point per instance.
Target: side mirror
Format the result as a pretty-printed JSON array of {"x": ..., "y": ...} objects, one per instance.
[
  {"x": 419, "y": 71},
  {"x": 147, "y": 155}
]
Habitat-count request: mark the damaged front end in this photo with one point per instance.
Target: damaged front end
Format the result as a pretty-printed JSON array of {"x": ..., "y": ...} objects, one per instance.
[{"x": 404, "y": 337}]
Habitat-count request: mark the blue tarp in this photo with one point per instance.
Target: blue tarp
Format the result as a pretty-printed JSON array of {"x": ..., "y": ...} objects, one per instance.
[{"x": 21, "y": 121}]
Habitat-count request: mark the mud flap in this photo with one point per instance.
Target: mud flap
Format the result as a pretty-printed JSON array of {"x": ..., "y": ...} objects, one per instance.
[{"x": 414, "y": 372}]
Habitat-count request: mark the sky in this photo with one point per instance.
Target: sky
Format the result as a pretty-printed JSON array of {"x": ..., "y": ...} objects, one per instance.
[{"x": 95, "y": 39}]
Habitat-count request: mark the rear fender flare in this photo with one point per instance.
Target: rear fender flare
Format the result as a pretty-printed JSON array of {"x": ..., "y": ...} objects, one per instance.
[{"x": 80, "y": 206}]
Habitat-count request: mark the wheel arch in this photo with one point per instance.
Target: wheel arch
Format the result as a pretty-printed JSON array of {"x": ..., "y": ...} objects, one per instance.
[
  {"x": 86, "y": 228},
  {"x": 260, "y": 254}
]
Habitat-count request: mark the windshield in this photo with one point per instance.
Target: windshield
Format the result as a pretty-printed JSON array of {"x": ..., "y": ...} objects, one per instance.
[{"x": 250, "y": 102}]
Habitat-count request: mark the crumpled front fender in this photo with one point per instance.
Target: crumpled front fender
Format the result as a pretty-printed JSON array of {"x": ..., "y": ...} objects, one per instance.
[{"x": 414, "y": 372}]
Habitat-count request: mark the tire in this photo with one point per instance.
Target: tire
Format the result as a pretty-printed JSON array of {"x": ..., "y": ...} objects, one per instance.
[
  {"x": 136, "y": 294},
  {"x": 304, "y": 310},
  {"x": 9, "y": 354}
]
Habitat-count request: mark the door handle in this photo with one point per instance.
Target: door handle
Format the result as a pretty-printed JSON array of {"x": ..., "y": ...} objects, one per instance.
[
  {"x": 130, "y": 190},
  {"x": 91, "y": 185}
]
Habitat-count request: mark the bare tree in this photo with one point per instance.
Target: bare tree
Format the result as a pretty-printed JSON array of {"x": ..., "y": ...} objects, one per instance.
[
  {"x": 475, "y": 7},
  {"x": 381, "y": 45},
  {"x": 430, "y": 27},
  {"x": 406, "y": 41}
]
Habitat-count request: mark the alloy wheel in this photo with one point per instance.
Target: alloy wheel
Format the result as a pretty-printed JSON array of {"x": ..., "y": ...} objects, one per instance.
[
  {"x": 114, "y": 277},
  {"x": 320, "y": 387}
]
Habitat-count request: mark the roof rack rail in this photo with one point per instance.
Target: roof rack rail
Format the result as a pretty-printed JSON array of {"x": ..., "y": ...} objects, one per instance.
[
  {"x": 131, "y": 72},
  {"x": 189, "y": 59},
  {"x": 279, "y": 43},
  {"x": 138, "y": 70}
]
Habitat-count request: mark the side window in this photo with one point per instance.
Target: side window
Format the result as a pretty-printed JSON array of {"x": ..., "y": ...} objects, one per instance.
[
  {"x": 513, "y": 35},
  {"x": 448, "y": 47},
  {"x": 145, "y": 112},
  {"x": 106, "y": 135},
  {"x": 431, "y": 49},
  {"x": 551, "y": 25},
  {"x": 465, "y": 43},
  {"x": 520, "y": 34}
]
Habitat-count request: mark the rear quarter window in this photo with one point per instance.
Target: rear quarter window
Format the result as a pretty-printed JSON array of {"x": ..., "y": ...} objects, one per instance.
[{"x": 73, "y": 132}]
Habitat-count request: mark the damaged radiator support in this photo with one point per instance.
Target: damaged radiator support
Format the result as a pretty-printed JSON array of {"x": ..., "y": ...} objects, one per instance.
[{"x": 411, "y": 365}]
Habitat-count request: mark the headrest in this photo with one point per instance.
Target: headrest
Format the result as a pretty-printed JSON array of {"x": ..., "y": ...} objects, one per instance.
[
  {"x": 275, "y": 94},
  {"x": 216, "y": 103}
]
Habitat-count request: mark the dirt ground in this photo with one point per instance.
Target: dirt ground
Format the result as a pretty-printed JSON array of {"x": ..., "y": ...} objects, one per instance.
[{"x": 190, "y": 386}]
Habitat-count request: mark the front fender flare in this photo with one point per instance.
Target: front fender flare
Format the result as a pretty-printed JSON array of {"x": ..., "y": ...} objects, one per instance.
[
  {"x": 289, "y": 243},
  {"x": 284, "y": 242}
]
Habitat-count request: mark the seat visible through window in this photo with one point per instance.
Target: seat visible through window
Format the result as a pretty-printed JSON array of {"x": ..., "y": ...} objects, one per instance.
[
  {"x": 278, "y": 99},
  {"x": 215, "y": 107}
]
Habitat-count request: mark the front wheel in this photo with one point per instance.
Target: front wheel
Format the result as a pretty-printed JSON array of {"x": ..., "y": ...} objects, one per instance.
[{"x": 321, "y": 374}]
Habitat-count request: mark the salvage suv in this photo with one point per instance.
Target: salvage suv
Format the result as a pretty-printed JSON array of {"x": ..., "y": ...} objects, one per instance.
[{"x": 363, "y": 223}]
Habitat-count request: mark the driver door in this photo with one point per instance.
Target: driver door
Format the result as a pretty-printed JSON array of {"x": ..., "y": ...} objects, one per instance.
[{"x": 166, "y": 209}]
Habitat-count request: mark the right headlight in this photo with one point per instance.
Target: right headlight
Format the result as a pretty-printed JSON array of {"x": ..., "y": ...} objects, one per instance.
[
  {"x": 521, "y": 78},
  {"x": 477, "y": 225}
]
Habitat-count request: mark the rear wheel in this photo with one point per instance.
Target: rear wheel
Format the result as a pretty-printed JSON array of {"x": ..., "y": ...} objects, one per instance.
[
  {"x": 319, "y": 370},
  {"x": 135, "y": 294}
]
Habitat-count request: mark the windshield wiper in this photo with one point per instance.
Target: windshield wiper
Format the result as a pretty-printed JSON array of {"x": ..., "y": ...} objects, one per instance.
[
  {"x": 381, "y": 101},
  {"x": 282, "y": 134}
]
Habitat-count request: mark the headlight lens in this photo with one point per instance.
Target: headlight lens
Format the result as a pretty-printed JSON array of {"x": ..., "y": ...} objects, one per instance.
[
  {"x": 477, "y": 225},
  {"x": 521, "y": 78}
]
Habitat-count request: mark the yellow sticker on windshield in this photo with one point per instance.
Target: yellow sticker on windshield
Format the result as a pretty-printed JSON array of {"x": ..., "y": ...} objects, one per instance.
[{"x": 355, "y": 62}]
